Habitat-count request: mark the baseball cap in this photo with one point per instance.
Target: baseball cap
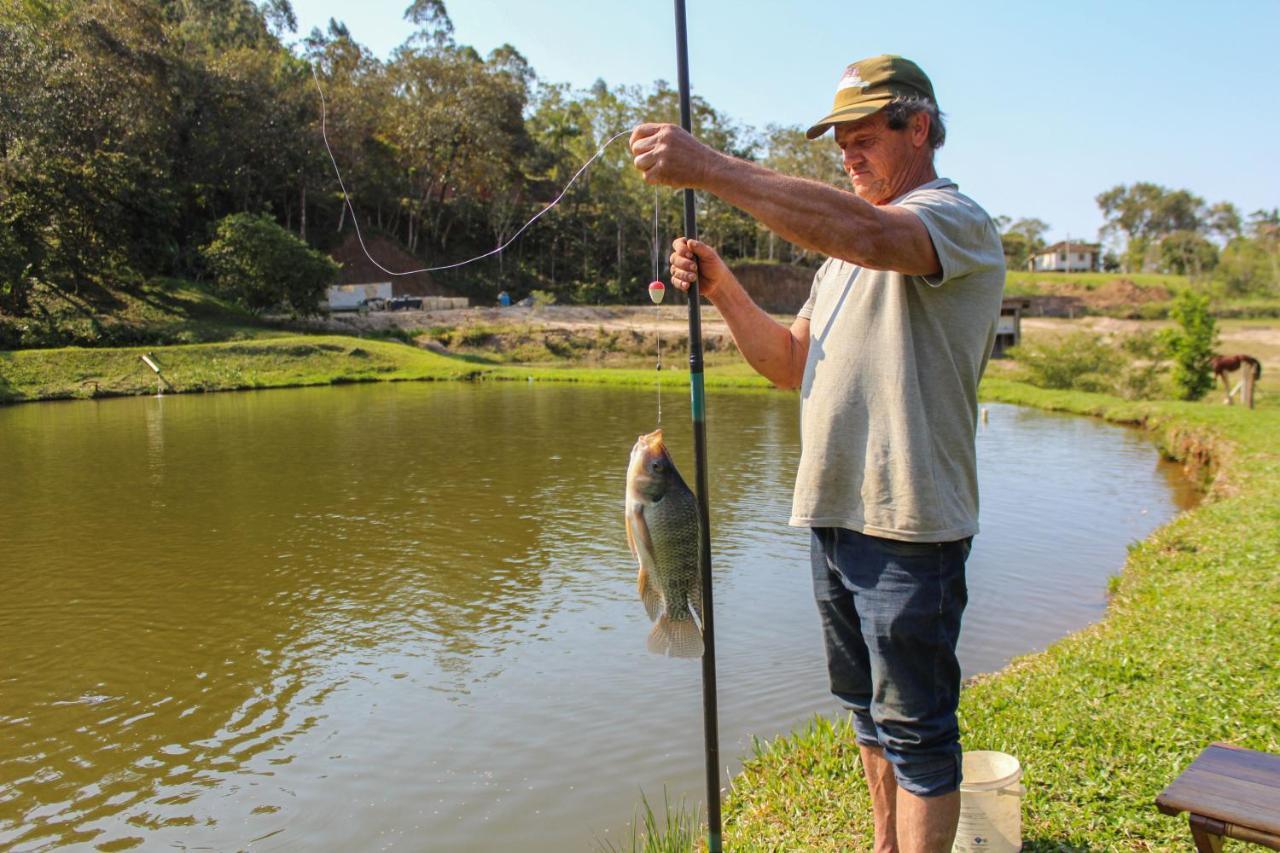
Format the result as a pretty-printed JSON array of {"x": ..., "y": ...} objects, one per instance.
[{"x": 868, "y": 85}]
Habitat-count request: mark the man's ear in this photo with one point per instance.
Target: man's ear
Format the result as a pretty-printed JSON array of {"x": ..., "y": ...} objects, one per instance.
[{"x": 920, "y": 128}]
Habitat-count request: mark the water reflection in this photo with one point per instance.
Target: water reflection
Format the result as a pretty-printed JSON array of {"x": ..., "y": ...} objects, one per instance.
[{"x": 406, "y": 612}]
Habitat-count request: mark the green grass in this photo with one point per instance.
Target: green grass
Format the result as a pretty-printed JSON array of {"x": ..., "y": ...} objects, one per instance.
[
  {"x": 270, "y": 363},
  {"x": 727, "y": 376},
  {"x": 288, "y": 361},
  {"x": 1022, "y": 282},
  {"x": 1104, "y": 719},
  {"x": 679, "y": 829}
]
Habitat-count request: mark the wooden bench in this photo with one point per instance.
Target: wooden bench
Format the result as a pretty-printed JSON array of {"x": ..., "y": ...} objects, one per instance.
[{"x": 1228, "y": 792}]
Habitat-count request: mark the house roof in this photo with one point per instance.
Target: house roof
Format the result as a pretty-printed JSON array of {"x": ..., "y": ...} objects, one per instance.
[
  {"x": 1076, "y": 246},
  {"x": 358, "y": 269}
]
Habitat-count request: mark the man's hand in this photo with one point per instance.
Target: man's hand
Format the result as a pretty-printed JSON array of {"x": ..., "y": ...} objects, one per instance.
[
  {"x": 693, "y": 261},
  {"x": 667, "y": 155}
]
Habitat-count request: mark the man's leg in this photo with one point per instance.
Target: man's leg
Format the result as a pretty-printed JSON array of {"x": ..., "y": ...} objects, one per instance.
[
  {"x": 884, "y": 797},
  {"x": 849, "y": 670},
  {"x": 909, "y": 599},
  {"x": 927, "y": 824}
]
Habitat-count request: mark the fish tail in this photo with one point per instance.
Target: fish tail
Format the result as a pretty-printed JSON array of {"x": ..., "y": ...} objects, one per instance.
[{"x": 677, "y": 638}]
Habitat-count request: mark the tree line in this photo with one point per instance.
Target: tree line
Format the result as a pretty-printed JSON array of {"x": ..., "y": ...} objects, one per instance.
[{"x": 131, "y": 130}]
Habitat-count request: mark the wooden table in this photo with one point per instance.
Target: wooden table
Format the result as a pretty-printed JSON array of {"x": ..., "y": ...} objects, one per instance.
[{"x": 1228, "y": 792}]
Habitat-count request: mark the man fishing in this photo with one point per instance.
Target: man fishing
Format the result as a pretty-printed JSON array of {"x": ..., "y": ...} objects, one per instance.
[{"x": 887, "y": 352}]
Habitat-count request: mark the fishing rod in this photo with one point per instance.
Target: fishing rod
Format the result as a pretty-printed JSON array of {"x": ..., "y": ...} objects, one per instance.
[{"x": 710, "y": 724}]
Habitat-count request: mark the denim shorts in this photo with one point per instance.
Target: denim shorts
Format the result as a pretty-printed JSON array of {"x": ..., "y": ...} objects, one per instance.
[{"x": 891, "y": 618}]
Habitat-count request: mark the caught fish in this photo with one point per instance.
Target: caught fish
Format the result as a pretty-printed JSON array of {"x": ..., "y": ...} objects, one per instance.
[{"x": 663, "y": 531}]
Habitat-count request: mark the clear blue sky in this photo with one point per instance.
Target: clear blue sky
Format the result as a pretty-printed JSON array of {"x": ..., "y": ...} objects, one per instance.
[{"x": 1048, "y": 104}]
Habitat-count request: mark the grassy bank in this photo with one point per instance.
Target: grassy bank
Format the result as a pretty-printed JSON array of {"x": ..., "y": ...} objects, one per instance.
[
  {"x": 288, "y": 361},
  {"x": 270, "y": 363},
  {"x": 1187, "y": 654},
  {"x": 1022, "y": 282},
  {"x": 1128, "y": 295}
]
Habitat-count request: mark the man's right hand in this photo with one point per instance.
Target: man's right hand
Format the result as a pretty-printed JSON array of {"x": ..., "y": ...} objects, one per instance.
[{"x": 693, "y": 260}]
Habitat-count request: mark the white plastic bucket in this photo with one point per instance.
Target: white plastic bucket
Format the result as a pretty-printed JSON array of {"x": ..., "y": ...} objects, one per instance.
[{"x": 990, "y": 804}]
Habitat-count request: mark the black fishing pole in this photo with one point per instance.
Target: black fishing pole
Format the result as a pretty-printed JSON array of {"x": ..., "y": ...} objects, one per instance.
[{"x": 710, "y": 726}]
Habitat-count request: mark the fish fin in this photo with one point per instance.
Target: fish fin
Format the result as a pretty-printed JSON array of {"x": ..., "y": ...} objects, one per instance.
[
  {"x": 695, "y": 600},
  {"x": 642, "y": 548},
  {"x": 676, "y": 638},
  {"x": 649, "y": 593},
  {"x": 638, "y": 537},
  {"x": 631, "y": 537}
]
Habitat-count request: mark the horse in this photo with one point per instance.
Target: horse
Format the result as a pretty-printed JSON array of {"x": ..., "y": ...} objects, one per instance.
[{"x": 1224, "y": 364}]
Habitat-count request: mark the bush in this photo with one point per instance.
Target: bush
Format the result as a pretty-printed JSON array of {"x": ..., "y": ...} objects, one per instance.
[
  {"x": 260, "y": 265},
  {"x": 1078, "y": 361},
  {"x": 1142, "y": 378},
  {"x": 1191, "y": 345}
]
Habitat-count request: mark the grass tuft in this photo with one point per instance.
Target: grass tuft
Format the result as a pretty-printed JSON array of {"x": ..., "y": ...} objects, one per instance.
[{"x": 679, "y": 830}]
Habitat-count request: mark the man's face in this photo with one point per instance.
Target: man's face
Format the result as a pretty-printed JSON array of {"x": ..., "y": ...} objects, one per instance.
[{"x": 877, "y": 159}]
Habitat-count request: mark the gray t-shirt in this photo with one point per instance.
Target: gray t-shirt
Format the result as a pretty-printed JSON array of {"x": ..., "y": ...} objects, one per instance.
[{"x": 890, "y": 396}]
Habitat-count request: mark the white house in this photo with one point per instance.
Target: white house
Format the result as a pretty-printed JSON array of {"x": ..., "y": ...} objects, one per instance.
[{"x": 1068, "y": 256}]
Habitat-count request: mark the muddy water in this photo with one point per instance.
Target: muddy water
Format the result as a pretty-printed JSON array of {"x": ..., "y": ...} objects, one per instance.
[{"x": 404, "y": 615}]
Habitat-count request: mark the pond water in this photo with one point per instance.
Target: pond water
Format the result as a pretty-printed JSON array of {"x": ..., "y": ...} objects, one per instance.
[{"x": 404, "y": 615}]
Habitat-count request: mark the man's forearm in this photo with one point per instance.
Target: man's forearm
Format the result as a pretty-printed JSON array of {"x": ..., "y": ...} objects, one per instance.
[
  {"x": 797, "y": 209},
  {"x": 768, "y": 346},
  {"x": 820, "y": 217}
]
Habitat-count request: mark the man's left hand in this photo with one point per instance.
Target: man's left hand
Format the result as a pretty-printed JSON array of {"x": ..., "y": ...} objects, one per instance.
[{"x": 668, "y": 155}]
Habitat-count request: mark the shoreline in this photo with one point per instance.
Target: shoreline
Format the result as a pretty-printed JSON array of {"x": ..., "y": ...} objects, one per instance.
[
  {"x": 1107, "y": 716},
  {"x": 295, "y": 361},
  {"x": 1102, "y": 720}
]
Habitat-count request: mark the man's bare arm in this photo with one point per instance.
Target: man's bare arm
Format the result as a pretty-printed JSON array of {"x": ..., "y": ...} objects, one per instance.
[
  {"x": 808, "y": 213},
  {"x": 775, "y": 351},
  {"x": 831, "y": 221}
]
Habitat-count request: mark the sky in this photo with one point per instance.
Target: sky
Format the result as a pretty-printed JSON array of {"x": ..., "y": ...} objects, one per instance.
[{"x": 1047, "y": 104}]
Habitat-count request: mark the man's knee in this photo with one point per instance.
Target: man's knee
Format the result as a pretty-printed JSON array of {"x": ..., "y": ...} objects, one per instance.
[
  {"x": 926, "y": 775},
  {"x": 925, "y": 754}
]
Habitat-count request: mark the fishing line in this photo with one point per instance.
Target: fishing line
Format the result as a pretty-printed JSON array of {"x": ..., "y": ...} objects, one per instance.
[
  {"x": 355, "y": 220},
  {"x": 656, "y": 291}
]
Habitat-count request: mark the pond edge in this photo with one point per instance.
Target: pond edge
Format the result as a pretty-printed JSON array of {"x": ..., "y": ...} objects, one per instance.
[{"x": 1104, "y": 718}]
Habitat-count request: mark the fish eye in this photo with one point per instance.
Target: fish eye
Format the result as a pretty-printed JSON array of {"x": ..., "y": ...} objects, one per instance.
[{"x": 657, "y": 465}]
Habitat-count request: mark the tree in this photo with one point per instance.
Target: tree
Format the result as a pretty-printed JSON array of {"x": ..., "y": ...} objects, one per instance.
[
  {"x": 1250, "y": 263},
  {"x": 1223, "y": 219},
  {"x": 1145, "y": 213},
  {"x": 84, "y": 117},
  {"x": 260, "y": 265},
  {"x": 1021, "y": 239},
  {"x": 1191, "y": 344},
  {"x": 435, "y": 28},
  {"x": 1187, "y": 253}
]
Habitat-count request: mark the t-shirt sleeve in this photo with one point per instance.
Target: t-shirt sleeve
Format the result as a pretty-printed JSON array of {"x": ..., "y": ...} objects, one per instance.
[
  {"x": 806, "y": 310},
  {"x": 963, "y": 235}
]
